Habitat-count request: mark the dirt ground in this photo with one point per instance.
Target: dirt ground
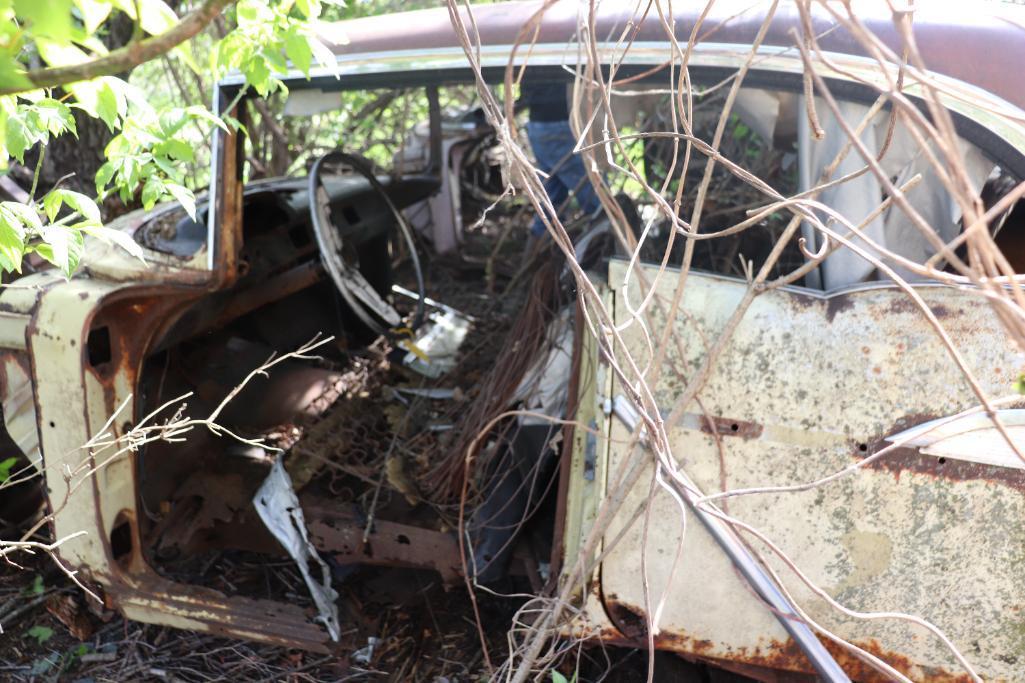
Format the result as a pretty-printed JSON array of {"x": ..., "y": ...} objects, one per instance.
[{"x": 424, "y": 633}]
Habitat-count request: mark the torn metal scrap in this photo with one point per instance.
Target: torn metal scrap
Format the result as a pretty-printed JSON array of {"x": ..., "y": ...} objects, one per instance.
[
  {"x": 279, "y": 508},
  {"x": 365, "y": 654},
  {"x": 433, "y": 393},
  {"x": 433, "y": 351}
]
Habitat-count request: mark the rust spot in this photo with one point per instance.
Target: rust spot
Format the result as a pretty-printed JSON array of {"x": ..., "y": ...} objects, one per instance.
[
  {"x": 902, "y": 305},
  {"x": 804, "y": 300},
  {"x": 877, "y": 370},
  {"x": 865, "y": 350},
  {"x": 773, "y": 654},
  {"x": 630, "y": 620},
  {"x": 726, "y": 426},
  {"x": 836, "y": 304},
  {"x": 902, "y": 460},
  {"x": 906, "y": 305}
]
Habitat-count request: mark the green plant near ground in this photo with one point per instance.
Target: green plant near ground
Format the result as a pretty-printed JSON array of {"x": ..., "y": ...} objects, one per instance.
[
  {"x": 561, "y": 678},
  {"x": 40, "y": 633}
]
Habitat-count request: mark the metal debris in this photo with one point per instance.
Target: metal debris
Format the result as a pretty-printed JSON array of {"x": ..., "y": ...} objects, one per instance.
[
  {"x": 365, "y": 654},
  {"x": 279, "y": 508},
  {"x": 434, "y": 351},
  {"x": 444, "y": 308},
  {"x": 433, "y": 393}
]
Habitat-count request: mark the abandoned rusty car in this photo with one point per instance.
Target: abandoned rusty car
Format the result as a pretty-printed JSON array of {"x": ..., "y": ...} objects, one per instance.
[{"x": 345, "y": 289}]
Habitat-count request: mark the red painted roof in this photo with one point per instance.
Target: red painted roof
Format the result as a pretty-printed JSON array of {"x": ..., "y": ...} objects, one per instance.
[{"x": 978, "y": 41}]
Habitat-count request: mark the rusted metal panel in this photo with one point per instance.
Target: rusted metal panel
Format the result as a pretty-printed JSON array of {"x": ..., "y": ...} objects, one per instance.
[
  {"x": 825, "y": 380},
  {"x": 389, "y": 544},
  {"x": 19, "y": 408},
  {"x": 226, "y": 212},
  {"x": 569, "y": 431},
  {"x": 75, "y": 401},
  {"x": 587, "y": 461},
  {"x": 158, "y": 601},
  {"x": 12, "y": 330}
]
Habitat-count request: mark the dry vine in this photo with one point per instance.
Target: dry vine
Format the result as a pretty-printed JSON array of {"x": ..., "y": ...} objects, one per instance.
[{"x": 972, "y": 258}]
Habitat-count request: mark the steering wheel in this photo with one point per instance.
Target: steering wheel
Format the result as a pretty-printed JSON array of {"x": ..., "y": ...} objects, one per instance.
[{"x": 340, "y": 260}]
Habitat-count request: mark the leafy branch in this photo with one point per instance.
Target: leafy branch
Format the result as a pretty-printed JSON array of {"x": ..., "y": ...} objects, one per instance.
[
  {"x": 149, "y": 154},
  {"x": 118, "y": 61}
]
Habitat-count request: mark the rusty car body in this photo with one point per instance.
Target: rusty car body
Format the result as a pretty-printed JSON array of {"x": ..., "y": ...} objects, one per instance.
[{"x": 86, "y": 357}]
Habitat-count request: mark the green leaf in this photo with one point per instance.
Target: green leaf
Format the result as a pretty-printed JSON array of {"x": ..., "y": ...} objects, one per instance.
[
  {"x": 1019, "y": 384},
  {"x": 5, "y": 468},
  {"x": 107, "y": 106},
  {"x": 40, "y": 633},
  {"x": 54, "y": 199},
  {"x": 55, "y": 116},
  {"x": 121, "y": 239},
  {"x": 252, "y": 13},
  {"x": 52, "y": 203},
  {"x": 18, "y": 137},
  {"x": 184, "y": 53},
  {"x": 12, "y": 74},
  {"x": 59, "y": 52},
  {"x": 298, "y": 50},
  {"x": 257, "y": 74},
  {"x": 165, "y": 165},
  {"x": 152, "y": 191},
  {"x": 175, "y": 149},
  {"x": 103, "y": 177},
  {"x": 12, "y": 242},
  {"x": 93, "y": 13},
  {"x": 559, "y": 678},
  {"x": 276, "y": 60},
  {"x": 185, "y": 198},
  {"x": 25, "y": 214},
  {"x": 37, "y": 586},
  {"x": 310, "y": 8},
  {"x": 82, "y": 204},
  {"x": 324, "y": 56},
  {"x": 235, "y": 124},
  {"x": 172, "y": 121},
  {"x": 157, "y": 17},
  {"x": 63, "y": 247},
  {"x": 50, "y": 19},
  {"x": 204, "y": 114}
]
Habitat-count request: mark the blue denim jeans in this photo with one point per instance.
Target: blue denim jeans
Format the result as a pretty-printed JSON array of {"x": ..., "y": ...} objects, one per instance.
[{"x": 553, "y": 142}]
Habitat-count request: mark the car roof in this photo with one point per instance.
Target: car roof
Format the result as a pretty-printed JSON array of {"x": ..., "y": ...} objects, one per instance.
[{"x": 978, "y": 43}]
